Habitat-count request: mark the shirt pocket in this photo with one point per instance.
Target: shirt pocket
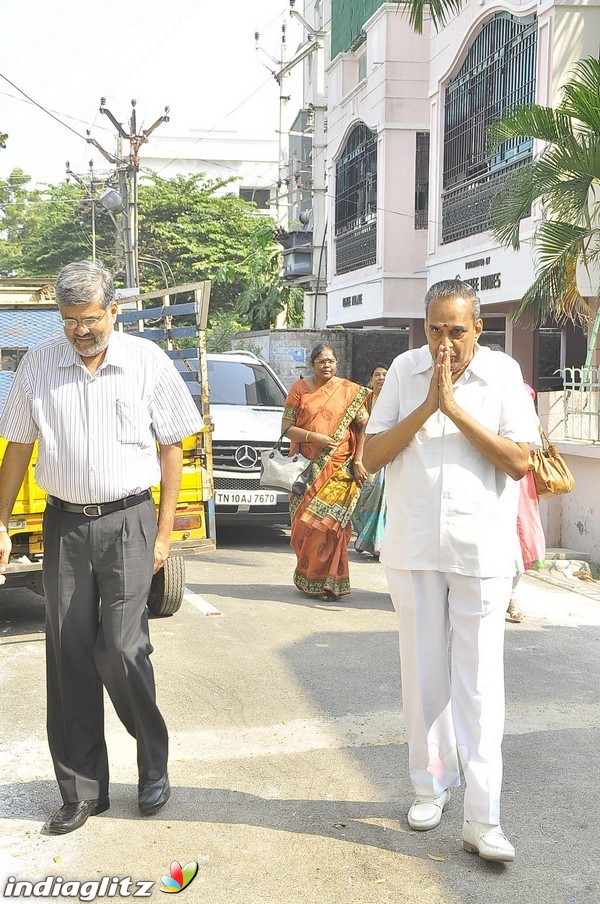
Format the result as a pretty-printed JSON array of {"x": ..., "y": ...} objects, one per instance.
[{"x": 133, "y": 423}]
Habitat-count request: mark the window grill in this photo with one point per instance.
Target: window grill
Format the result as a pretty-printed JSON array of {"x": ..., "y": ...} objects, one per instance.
[
  {"x": 466, "y": 208},
  {"x": 498, "y": 74},
  {"x": 421, "y": 180},
  {"x": 356, "y": 201},
  {"x": 581, "y": 399}
]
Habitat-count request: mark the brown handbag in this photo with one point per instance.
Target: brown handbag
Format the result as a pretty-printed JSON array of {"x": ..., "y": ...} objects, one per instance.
[{"x": 550, "y": 472}]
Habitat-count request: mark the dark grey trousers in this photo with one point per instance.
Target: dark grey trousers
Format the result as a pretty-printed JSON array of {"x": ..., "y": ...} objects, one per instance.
[{"x": 97, "y": 575}]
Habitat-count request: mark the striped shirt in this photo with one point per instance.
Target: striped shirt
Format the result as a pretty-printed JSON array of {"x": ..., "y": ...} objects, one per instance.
[{"x": 97, "y": 433}]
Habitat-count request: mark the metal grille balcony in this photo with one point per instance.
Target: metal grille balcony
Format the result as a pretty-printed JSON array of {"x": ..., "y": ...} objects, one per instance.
[
  {"x": 466, "y": 210},
  {"x": 356, "y": 249}
]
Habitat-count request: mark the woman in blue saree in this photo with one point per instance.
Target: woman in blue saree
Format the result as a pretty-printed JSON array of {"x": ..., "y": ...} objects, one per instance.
[{"x": 368, "y": 518}]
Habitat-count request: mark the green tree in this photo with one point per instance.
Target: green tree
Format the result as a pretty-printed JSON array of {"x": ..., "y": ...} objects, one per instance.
[
  {"x": 189, "y": 228},
  {"x": 264, "y": 296},
  {"x": 565, "y": 177},
  {"x": 222, "y": 328},
  {"x": 42, "y": 229},
  {"x": 188, "y": 231}
]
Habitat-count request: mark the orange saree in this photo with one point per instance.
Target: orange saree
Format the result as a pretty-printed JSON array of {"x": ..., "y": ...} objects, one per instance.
[{"x": 321, "y": 525}]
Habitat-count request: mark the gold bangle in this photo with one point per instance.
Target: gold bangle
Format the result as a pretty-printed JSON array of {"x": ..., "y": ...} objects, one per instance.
[
  {"x": 357, "y": 461},
  {"x": 307, "y": 435}
]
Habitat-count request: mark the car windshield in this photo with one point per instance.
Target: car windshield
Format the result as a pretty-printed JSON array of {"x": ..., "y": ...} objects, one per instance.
[{"x": 240, "y": 383}]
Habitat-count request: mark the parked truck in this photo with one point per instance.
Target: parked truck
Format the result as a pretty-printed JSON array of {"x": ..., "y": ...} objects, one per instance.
[{"x": 154, "y": 316}]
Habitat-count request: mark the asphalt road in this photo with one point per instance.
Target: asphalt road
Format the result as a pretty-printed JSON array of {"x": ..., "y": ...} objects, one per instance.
[{"x": 288, "y": 759}]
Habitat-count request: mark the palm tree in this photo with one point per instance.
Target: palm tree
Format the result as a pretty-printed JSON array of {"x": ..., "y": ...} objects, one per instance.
[
  {"x": 565, "y": 177},
  {"x": 439, "y": 10}
]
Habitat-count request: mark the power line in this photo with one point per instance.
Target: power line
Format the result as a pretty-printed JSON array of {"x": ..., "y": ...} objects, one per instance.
[
  {"x": 388, "y": 210},
  {"x": 41, "y": 107},
  {"x": 218, "y": 123},
  {"x": 83, "y": 122}
]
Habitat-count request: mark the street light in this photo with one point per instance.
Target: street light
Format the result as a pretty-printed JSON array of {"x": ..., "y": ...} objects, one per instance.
[{"x": 112, "y": 201}]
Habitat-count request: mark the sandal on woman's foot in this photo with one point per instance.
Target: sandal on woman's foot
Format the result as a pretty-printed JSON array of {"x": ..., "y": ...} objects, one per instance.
[
  {"x": 514, "y": 613},
  {"x": 328, "y": 596}
]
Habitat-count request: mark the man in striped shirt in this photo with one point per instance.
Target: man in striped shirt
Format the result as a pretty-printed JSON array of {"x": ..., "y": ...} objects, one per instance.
[{"x": 98, "y": 402}]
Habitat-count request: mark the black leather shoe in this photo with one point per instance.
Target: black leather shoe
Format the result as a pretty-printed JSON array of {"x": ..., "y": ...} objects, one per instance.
[
  {"x": 73, "y": 816},
  {"x": 154, "y": 795}
]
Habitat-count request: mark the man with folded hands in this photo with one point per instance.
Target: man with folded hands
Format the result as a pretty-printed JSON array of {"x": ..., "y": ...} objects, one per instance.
[
  {"x": 454, "y": 427},
  {"x": 98, "y": 402}
]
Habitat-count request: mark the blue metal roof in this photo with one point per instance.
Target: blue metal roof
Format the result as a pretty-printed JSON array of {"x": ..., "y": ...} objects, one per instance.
[{"x": 24, "y": 329}]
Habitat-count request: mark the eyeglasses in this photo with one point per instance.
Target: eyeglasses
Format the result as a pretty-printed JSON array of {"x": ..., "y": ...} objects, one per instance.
[
  {"x": 323, "y": 361},
  {"x": 70, "y": 323}
]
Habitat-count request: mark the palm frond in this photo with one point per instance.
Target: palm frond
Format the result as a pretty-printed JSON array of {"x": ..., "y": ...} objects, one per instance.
[
  {"x": 439, "y": 10},
  {"x": 560, "y": 248},
  {"x": 553, "y": 295},
  {"x": 512, "y": 204},
  {"x": 556, "y": 241},
  {"x": 581, "y": 156},
  {"x": 533, "y": 309},
  {"x": 531, "y": 120},
  {"x": 581, "y": 93}
]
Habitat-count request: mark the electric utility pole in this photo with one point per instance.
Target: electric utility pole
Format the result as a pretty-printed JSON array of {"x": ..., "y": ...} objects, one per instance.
[
  {"x": 315, "y": 33},
  {"x": 127, "y": 174},
  {"x": 89, "y": 188}
]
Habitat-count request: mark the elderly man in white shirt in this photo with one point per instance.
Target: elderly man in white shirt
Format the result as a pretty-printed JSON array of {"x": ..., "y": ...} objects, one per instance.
[
  {"x": 98, "y": 402},
  {"x": 454, "y": 428}
]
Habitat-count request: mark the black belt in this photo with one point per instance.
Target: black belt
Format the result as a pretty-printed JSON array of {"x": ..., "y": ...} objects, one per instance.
[{"x": 95, "y": 510}]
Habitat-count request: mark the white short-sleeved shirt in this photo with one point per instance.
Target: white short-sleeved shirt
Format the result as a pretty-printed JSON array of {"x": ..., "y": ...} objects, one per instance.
[
  {"x": 448, "y": 507},
  {"x": 97, "y": 433}
]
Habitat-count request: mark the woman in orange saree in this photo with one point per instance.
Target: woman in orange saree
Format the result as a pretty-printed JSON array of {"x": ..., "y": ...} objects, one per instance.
[{"x": 325, "y": 416}]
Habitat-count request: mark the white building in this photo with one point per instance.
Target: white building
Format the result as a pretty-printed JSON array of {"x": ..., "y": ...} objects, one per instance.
[
  {"x": 398, "y": 224},
  {"x": 396, "y": 98},
  {"x": 252, "y": 161},
  {"x": 378, "y": 151},
  {"x": 489, "y": 58}
]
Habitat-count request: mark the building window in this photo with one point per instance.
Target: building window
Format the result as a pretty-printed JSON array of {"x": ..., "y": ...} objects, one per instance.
[
  {"x": 356, "y": 201},
  {"x": 362, "y": 65},
  {"x": 10, "y": 358},
  {"x": 498, "y": 74},
  {"x": 421, "y": 180},
  {"x": 260, "y": 196}
]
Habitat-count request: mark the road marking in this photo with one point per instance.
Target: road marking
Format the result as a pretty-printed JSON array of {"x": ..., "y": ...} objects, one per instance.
[
  {"x": 364, "y": 730},
  {"x": 295, "y": 737},
  {"x": 199, "y": 603}
]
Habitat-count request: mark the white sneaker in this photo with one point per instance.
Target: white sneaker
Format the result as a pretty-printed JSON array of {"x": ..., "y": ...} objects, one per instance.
[
  {"x": 488, "y": 841},
  {"x": 426, "y": 812}
]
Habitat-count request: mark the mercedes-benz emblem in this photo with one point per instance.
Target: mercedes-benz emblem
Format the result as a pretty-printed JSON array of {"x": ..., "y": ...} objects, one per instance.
[{"x": 246, "y": 457}]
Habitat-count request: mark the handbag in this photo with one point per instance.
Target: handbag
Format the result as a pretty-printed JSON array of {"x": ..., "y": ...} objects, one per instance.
[
  {"x": 550, "y": 472},
  {"x": 284, "y": 472}
]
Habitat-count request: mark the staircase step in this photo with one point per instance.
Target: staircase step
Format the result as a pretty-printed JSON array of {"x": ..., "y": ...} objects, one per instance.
[{"x": 568, "y": 554}]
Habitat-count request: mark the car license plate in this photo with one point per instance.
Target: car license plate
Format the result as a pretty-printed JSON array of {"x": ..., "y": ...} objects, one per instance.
[{"x": 245, "y": 497}]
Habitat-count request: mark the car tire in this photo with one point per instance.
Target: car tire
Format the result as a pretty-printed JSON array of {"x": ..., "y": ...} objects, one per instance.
[{"x": 168, "y": 588}]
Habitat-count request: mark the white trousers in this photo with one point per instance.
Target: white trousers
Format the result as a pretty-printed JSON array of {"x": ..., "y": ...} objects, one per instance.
[{"x": 453, "y": 710}]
